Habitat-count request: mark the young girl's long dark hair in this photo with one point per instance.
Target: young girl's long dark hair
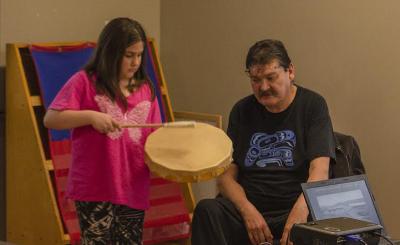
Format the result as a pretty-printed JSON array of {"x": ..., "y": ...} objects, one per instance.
[{"x": 105, "y": 63}]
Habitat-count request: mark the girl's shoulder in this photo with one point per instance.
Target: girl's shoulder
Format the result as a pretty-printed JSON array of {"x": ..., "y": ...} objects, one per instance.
[
  {"x": 141, "y": 93},
  {"x": 80, "y": 76},
  {"x": 146, "y": 87},
  {"x": 81, "y": 79},
  {"x": 79, "y": 84}
]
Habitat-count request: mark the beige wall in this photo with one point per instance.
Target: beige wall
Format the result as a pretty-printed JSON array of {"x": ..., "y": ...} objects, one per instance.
[
  {"x": 73, "y": 20},
  {"x": 346, "y": 50}
]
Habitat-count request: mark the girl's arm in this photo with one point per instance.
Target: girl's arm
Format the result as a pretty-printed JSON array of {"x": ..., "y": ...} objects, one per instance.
[{"x": 68, "y": 119}]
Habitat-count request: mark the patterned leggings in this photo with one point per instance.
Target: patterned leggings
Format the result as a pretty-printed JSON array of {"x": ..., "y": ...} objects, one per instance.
[{"x": 104, "y": 223}]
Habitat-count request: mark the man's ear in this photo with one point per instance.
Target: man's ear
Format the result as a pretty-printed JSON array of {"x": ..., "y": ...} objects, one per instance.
[{"x": 291, "y": 71}]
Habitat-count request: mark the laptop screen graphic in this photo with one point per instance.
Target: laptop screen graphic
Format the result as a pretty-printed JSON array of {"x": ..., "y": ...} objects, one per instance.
[{"x": 351, "y": 199}]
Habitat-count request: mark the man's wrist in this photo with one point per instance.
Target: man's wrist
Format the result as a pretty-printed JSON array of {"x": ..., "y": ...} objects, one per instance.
[{"x": 243, "y": 205}]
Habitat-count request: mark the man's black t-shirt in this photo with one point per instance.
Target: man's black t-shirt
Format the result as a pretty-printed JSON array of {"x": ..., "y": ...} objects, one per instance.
[{"x": 273, "y": 150}]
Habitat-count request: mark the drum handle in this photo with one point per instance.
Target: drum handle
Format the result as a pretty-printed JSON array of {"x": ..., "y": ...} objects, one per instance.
[{"x": 180, "y": 124}]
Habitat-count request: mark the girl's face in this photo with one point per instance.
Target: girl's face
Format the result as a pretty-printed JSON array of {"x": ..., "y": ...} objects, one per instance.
[{"x": 131, "y": 61}]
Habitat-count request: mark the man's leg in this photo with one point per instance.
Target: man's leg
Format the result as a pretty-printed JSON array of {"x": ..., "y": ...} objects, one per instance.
[
  {"x": 217, "y": 222},
  {"x": 276, "y": 225}
]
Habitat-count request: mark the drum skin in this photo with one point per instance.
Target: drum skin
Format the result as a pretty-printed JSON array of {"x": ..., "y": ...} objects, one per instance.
[{"x": 190, "y": 154}]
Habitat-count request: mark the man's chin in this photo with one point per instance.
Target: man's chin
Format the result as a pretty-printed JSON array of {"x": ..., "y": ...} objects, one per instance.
[
  {"x": 271, "y": 105},
  {"x": 267, "y": 101}
]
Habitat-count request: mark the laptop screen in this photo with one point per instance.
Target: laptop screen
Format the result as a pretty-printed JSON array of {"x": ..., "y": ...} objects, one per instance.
[{"x": 341, "y": 197}]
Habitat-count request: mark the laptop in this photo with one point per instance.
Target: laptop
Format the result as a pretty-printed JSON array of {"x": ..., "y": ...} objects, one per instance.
[{"x": 343, "y": 197}]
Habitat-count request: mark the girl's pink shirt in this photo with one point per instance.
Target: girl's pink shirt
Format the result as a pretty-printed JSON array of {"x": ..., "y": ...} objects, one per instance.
[{"x": 108, "y": 167}]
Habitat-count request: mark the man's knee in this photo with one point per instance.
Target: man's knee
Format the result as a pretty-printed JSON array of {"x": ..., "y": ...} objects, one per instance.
[{"x": 206, "y": 206}]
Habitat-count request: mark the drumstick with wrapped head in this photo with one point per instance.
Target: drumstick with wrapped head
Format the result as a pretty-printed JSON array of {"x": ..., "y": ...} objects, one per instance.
[{"x": 180, "y": 124}]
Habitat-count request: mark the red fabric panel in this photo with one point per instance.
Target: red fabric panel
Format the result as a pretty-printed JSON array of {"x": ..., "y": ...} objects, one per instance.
[
  {"x": 166, "y": 233},
  {"x": 167, "y": 205},
  {"x": 61, "y": 157},
  {"x": 62, "y": 48},
  {"x": 167, "y": 218}
]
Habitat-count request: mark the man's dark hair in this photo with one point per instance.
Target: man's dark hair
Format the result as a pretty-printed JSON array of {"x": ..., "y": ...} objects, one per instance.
[{"x": 265, "y": 51}]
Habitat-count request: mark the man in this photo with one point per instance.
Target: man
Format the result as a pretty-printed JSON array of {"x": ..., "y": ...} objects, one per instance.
[{"x": 282, "y": 136}]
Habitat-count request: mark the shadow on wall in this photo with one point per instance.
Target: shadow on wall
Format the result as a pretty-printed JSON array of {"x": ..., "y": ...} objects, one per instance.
[{"x": 2, "y": 157}]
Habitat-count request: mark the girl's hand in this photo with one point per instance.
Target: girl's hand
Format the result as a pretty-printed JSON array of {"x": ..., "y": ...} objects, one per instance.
[{"x": 103, "y": 123}]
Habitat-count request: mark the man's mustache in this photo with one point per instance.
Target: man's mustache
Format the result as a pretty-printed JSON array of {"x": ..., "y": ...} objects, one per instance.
[{"x": 266, "y": 93}]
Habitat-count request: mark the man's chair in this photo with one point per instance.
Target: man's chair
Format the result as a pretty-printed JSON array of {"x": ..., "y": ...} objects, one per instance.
[{"x": 348, "y": 157}]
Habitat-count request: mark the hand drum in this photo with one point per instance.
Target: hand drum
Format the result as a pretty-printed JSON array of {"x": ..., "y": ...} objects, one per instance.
[{"x": 189, "y": 154}]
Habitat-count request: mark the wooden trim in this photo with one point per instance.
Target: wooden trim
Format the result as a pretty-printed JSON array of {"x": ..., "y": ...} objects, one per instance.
[
  {"x": 36, "y": 101},
  {"x": 32, "y": 215},
  {"x": 49, "y": 165},
  {"x": 214, "y": 119},
  {"x": 163, "y": 84},
  {"x": 66, "y": 239}
]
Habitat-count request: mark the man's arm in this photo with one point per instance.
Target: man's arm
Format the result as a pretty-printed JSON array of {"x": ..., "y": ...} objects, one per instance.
[
  {"x": 255, "y": 223},
  {"x": 319, "y": 170}
]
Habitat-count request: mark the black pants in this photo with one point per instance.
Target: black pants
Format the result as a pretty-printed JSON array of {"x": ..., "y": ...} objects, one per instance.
[{"x": 218, "y": 222}]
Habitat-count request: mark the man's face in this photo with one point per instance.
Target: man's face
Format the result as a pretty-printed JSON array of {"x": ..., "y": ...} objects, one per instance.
[{"x": 272, "y": 85}]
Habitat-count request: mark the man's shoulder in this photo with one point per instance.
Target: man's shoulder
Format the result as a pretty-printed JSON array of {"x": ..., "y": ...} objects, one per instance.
[
  {"x": 307, "y": 94},
  {"x": 245, "y": 105},
  {"x": 245, "y": 101}
]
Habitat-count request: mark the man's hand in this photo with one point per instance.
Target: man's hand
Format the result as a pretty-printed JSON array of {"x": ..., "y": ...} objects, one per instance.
[
  {"x": 256, "y": 226},
  {"x": 319, "y": 170},
  {"x": 254, "y": 222},
  {"x": 298, "y": 214}
]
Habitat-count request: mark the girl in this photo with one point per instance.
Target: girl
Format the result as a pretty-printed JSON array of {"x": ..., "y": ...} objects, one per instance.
[{"x": 108, "y": 178}]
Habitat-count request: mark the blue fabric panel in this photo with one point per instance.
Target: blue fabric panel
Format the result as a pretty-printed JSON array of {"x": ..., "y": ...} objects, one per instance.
[
  {"x": 54, "y": 68},
  {"x": 151, "y": 72}
]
